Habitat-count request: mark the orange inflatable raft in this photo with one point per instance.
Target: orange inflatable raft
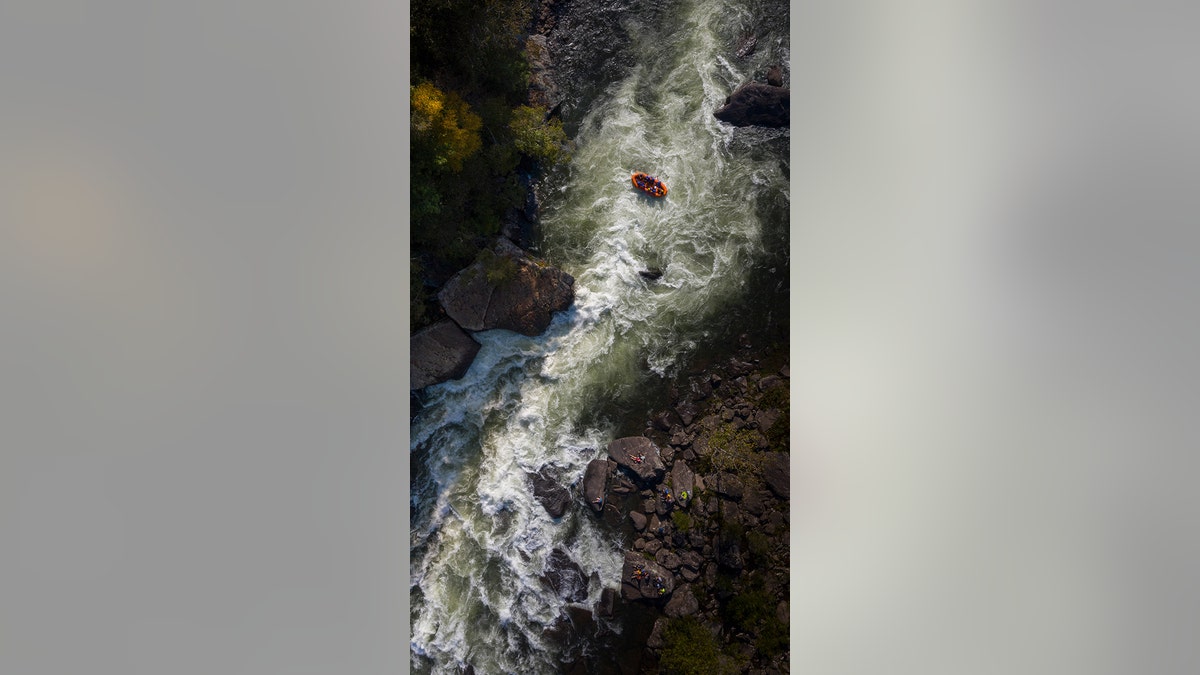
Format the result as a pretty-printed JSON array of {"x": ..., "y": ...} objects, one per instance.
[{"x": 649, "y": 184}]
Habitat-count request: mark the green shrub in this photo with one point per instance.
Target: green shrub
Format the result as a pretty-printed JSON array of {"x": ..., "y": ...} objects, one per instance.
[
  {"x": 777, "y": 397},
  {"x": 541, "y": 139},
  {"x": 748, "y": 609},
  {"x": 731, "y": 531},
  {"x": 683, "y": 522},
  {"x": 773, "y": 638},
  {"x": 690, "y": 649},
  {"x": 758, "y": 543},
  {"x": 732, "y": 449}
]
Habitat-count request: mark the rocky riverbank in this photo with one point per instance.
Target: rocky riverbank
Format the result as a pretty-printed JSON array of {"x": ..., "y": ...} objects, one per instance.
[{"x": 701, "y": 498}]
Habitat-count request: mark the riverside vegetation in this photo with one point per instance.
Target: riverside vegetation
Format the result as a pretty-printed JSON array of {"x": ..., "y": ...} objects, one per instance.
[{"x": 475, "y": 140}]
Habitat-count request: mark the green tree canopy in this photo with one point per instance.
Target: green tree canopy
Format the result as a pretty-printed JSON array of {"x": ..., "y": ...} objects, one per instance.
[{"x": 537, "y": 137}]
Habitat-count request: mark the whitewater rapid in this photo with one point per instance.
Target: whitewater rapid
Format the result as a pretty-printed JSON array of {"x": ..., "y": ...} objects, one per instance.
[{"x": 479, "y": 539}]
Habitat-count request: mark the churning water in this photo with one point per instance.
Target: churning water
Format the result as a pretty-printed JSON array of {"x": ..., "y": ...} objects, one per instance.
[{"x": 480, "y": 541}]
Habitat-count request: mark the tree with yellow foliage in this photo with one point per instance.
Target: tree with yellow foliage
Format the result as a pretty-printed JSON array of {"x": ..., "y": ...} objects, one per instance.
[{"x": 444, "y": 125}]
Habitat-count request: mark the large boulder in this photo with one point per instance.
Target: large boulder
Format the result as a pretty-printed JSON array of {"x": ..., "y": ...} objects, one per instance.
[
  {"x": 682, "y": 480},
  {"x": 648, "y": 466},
  {"x": 647, "y": 585},
  {"x": 775, "y": 76},
  {"x": 595, "y": 479},
  {"x": 777, "y": 475},
  {"x": 507, "y": 288},
  {"x": 607, "y": 602},
  {"x": 438, "y": 353},
  {"x": 553, "y": 496},
  {"x": 682, "y": 603},
  {"x": 757, "y": 104},
  {"x": 565, "y": 577}
]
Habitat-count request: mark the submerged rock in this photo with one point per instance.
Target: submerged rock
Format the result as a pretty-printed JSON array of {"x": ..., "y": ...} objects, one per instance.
[
  {"x": 565, "y": 576},
  {"x": 747, "y": 46},
  {"x": 757, "y": 104},
  {"x": 554, "y": 497},
  {"x": 439, "y": 353}
]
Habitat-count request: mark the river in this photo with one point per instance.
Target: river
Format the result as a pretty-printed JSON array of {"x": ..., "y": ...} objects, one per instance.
[{"x": 640, "y": 83}]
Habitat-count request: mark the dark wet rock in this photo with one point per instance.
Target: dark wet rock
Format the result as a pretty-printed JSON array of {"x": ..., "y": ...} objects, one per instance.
[
  {"x": 687, "y": 412},
  {"x": 439, "y": 353},
  {"x": 543, "y": 90},
  {"x": 668, "y": 559},
  {"x": 741, "y": 369},
  {"x": 747, "y": 46},
  {"x": 554, "y": 497},
  {"x": 655, "y": 641},
  {"x": 731, "y": 557},
  {"x": 777, "y": 474},
  {"x": 656, "y": 525},
  {"x": 523, "y": 298},
  {"x": 767, "y": 418},
  {"x": 666, "y": 420},
  {"x": 752, "y": 502},
  {"x": 622, "y": 485},
  {"x": 650, "y": 469},
  {"x": 730, "y": 513},
  {"x": 652, "y": 273},
  {"x": 682, "y": 480},
  {"x": 769, "y": 381},
  {"x": 683, "y": 603},
  {"x": 595, "y": 479},
  {"x": 608, "y": 600},
  {"x": 775, "y": 523},
  {"x": 729, "y": 485},
  {"x": 775, "y": 76},
  {"x": 582, "y": 620},
  {"x": 639, "y": 520},
  {"x": 646, "y": 587},
  {"x": 565, "y": 577},
  {"x": 701, "y": 389}
]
